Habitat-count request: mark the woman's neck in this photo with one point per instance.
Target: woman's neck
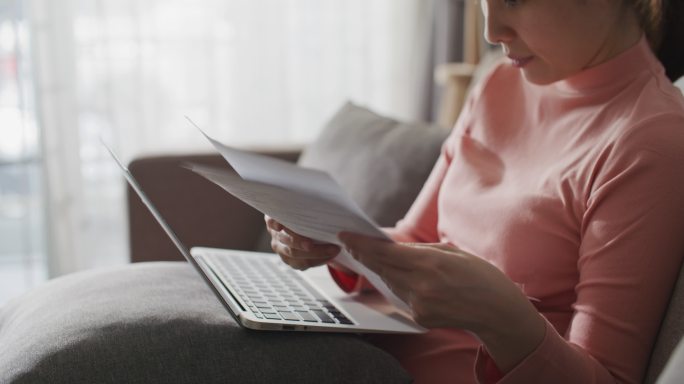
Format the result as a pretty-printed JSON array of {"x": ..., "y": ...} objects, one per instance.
[{"x": 625, "y": 32}]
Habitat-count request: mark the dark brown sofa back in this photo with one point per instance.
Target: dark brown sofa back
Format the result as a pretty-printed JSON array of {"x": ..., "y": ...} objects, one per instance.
[{"x": 188, "y": 202}]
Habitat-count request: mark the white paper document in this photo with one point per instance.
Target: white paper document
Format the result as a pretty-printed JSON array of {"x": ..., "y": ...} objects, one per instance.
[{"x": 308, "y": 201}]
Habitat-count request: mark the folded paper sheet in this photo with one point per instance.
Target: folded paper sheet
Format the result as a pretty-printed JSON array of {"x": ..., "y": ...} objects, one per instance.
[{"x": 307, "y": 201}]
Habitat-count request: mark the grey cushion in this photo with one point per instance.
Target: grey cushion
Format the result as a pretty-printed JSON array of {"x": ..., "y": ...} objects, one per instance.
[
  {"x": 674, "y": 370},
  {"x": 680, "y": 84},
  {"x": 159, "y": 323},
  {"x": 671, "y": 332},
  {"x": 382, "y": 163}
]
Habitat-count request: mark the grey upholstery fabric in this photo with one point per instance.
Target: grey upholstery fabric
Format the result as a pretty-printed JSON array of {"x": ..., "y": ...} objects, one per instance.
[
  {"x": 671, "y": 332},
  {"x": 158, "y": 323},
  {"x": 680, "y": 84},
  {"x": 674, "y": 370},
  {"x": 380, "y": 162}
]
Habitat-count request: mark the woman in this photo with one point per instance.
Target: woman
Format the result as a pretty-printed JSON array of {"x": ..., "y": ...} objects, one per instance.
[{"x": 544, "y": 245}]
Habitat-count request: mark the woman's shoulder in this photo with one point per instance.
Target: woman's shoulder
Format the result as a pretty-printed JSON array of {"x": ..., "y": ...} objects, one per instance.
[
  {"x": 651, "y": 137},
  {"x": 657, "y": 98},
  {"x": 660, "y": 133},
  {"x": 655, "y": 115},
  {"x": 644, "y": 146}
]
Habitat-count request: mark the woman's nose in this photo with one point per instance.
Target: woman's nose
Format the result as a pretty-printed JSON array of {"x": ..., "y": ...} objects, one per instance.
[{"x": 497, "y": 31}]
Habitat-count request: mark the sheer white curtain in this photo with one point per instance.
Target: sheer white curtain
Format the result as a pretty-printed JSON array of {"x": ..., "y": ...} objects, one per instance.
[
  {"x": 248, "y": 71},
  {"x": 22, "y": 245}
]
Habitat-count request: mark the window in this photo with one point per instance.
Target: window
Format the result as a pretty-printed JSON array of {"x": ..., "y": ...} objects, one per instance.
[
  {"x": 22, "y": 219},
  {"x": 248, "y": 71}
]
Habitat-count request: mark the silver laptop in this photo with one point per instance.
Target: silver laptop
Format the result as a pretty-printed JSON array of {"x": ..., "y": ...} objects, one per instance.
[{"x": 262, "y": 293}]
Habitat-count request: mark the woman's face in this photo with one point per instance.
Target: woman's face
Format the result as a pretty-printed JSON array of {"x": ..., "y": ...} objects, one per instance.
[{"x": 550, "y": 40}]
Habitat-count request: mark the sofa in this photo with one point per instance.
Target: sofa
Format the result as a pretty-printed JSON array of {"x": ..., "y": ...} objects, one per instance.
[{"x": 154, "y": 321}]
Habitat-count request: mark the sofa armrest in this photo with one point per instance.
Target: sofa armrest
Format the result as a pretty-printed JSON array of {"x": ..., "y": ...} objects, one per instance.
[{"x": 201, "y": 213}]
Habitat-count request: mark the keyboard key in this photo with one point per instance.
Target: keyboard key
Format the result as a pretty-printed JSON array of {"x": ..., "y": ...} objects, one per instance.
[
  {"x": 306, "y": 316},
  {"x": 272, "y": 316},
  {"x": 340, "y": 317},
  {"x": 323, "y": 316},
  {"x": 337, "y": 315},
  {"x": 274, "y": 291},
  {"x": 289, "y": 316}
]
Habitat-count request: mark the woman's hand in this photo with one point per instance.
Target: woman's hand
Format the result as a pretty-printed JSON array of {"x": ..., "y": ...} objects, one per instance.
[
  {"x": 449, "y": 288},
  {"x": 297, "y": 251}
]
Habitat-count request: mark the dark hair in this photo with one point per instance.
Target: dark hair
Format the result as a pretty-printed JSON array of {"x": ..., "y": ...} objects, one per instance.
[
  {"x": 663, "y": 23},
  {"x": 671, "y": 49}
]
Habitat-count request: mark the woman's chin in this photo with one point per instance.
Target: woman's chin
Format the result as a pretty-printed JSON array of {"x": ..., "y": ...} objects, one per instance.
[{"x": 537, "y": 77}]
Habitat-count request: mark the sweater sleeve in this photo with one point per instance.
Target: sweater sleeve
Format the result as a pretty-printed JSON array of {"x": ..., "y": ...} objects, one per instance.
[
  {"x": 630, "y": 256},
  {"x": 349, "y": 281},
  {"x": 555, "y": 360}
]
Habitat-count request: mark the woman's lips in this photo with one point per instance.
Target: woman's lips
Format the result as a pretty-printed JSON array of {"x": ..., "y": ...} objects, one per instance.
[{"x": 520, "y": 62}]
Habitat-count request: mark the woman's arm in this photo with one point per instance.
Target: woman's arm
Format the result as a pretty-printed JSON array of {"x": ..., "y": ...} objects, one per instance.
[
  {"x": 448, "y": 288},
  {"x": 631, "y": 251}
]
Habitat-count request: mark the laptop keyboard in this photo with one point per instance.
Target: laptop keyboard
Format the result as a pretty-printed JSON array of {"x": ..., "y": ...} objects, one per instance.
[{"x": 274, "y": 291}]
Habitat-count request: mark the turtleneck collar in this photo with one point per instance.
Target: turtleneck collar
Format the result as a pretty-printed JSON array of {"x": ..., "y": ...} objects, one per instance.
[{"x": 618, "y": 70}]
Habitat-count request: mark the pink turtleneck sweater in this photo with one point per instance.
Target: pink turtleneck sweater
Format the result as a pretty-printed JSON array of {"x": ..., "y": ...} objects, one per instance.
[{"x": 575, "y": 191}]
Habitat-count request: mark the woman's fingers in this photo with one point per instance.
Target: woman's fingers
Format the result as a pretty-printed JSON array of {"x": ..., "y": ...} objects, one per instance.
[
  {"x": 377, "y": 254},
  {"x": 307, "y": 246},
  {"x": 406, "y": 268},
  {"x": 287, "y": 236},
  {"x": 400, "y": 282},
  {"x": 303, "y": 263},
  {"x": 284, "y": 235},
  {"x": 302, "y": 260},
  {"x": 294, "y": 240},
  {"x": 272, "y": 224},
  {"x": 298, "y": 251}
]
